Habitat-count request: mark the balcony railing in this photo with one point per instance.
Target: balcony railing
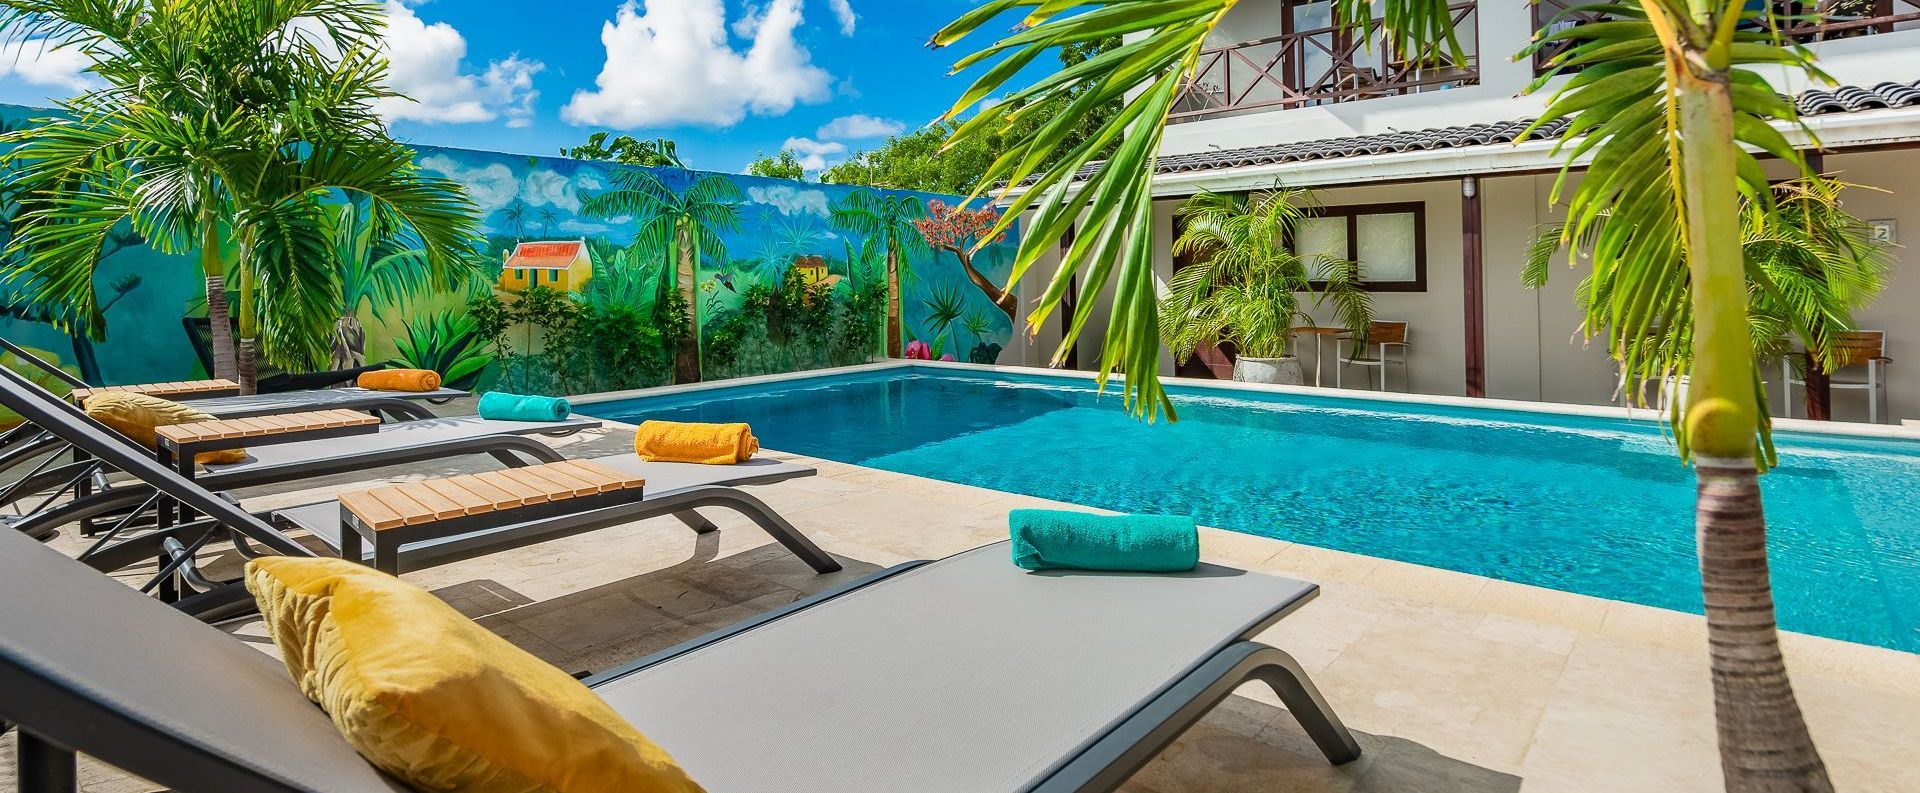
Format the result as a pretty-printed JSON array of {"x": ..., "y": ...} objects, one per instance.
[
  {"x": 1323, "y": 65},
  {"x": 1802, "y": 22}
]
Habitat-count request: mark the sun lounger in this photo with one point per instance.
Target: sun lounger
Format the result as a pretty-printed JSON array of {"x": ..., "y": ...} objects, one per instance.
[
  {"x": 26, "y": 443},
  {"x": 673, "y": 488},
  {"x": 965, "y": 674},
  {"x": 393, "y": 444}
]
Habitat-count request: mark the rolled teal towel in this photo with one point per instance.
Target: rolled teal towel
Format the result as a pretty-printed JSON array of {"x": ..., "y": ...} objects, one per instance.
[
  {"x": 503, "y": 406},
  {"x": 1045, "y": 539}
]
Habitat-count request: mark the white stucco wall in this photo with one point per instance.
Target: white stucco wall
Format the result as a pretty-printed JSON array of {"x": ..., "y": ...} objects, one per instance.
[{"x": 1533, "y": 347}]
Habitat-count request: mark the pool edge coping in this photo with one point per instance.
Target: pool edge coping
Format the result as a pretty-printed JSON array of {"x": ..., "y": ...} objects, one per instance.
[{"x": 1646, "y": 415}]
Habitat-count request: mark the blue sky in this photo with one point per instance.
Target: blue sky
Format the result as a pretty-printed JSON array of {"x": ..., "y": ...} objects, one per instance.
[{"x": 726, "y": 79}]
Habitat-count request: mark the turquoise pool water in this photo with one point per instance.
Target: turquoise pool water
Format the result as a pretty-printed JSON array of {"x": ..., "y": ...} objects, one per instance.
[{"x": 1596, "y": 506}]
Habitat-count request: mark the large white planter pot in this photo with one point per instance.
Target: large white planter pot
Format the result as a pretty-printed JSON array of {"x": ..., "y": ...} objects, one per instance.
[{"x": 1277, "y": 371}]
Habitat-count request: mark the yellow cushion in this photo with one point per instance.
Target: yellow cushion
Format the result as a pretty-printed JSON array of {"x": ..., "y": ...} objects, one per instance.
[
  {"x": 438, "y": 701},
  {"x": 138, "y": 415}
]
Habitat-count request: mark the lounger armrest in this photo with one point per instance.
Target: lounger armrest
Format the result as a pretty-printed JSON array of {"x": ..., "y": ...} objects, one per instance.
[{"x": 186, "y": 440}]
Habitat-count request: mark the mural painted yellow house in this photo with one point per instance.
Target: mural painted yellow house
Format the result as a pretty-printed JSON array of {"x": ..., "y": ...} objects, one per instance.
[
  {"x": 561, "y": 265},
  {"x": 813, "y": 271}
]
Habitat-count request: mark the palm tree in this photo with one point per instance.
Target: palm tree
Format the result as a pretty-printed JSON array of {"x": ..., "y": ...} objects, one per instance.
[
  {"x": 547, "y": 218},
  {"x": 516, "y": 216},
  {"x": 1245, "y": 288},
  {"x": 684, "y": 228},
  {"x": 944, "y": 309},
  {"x": 221, "y": 125},
  {"x": 889, "y": 218},
  {"x": 1663, "y": 100},
  {"x": 1810, "y": 264},
  {"x": 376, "y": 271}
]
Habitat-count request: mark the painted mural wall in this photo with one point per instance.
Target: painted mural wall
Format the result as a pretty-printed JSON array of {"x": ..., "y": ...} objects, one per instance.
[{"x": 585, "y": 267}]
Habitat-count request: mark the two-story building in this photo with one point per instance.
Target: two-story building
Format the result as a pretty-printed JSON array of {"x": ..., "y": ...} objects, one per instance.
[{"x": 1418, "y": 177}]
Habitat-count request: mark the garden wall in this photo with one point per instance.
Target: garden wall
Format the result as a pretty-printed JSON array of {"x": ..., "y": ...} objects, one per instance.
[{"x": 779, "y": 275}]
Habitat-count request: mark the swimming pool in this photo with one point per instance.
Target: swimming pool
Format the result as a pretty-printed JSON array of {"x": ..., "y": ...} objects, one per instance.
[{"x": 1596, "y": 506}]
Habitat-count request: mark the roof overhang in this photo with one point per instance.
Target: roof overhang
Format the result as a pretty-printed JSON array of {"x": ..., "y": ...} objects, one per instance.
[{"x": 1838, "y": 132}]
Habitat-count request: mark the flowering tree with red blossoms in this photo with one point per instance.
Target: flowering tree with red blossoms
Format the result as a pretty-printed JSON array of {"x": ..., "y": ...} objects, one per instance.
[{"x": 958, "y": 230}]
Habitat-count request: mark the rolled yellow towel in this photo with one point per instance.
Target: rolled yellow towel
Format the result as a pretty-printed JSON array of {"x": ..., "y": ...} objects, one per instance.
[
  {"x": 681, "y": 442},
  {"x": 417, "y": 380}
]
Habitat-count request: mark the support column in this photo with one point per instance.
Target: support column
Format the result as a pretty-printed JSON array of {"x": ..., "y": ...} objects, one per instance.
[
  {"x": 1069, "y": 303},
  {"x": 1818, "y": 387},
  {"x": 1473, "y": 278}
]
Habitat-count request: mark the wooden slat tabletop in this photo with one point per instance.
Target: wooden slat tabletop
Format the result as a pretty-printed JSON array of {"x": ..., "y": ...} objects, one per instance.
[
  {"x": 415, "y": 503},
  {"x": 163, "y": 390},
  {"x": 259, "y": 426}
]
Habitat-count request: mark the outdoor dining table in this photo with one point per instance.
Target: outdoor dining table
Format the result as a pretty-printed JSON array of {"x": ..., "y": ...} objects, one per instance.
[{"x": 1318, "y": 334}]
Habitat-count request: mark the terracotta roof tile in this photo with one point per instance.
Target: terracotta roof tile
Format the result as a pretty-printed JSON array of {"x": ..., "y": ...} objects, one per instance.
[{"x": 544, "y": 255}]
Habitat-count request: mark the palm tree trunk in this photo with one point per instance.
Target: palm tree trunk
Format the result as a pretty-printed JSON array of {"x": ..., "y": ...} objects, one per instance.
[
  {"x": 1764, "y": 742},
  {"x": 248, "y": 365},
  {"x": 248, "y": 349},
  {"x": 349, "y": 342},
  {"x": 219, "y": 318},
  {"x": 1003, "y": 298},
  {"x": 686, "y": 362},
  {"x": 893, "y": 298}
]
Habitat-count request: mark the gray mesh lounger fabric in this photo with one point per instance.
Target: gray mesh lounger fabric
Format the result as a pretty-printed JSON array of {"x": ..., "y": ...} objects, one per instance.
[
  {"x": 967, "y": 674},
  {"x": 391, "y": 437},
  {"x": 317, "y": 399},
  {"x": 663, "y": 479},
  {"x": 218, "y": 714}
]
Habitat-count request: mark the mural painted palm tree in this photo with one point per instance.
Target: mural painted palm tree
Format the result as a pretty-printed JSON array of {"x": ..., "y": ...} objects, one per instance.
[
  {"x": 548, "y": 217},
  {"x": 681, "y": 228},
  {"x": 944, "y": 309},
  {"x": 962, "y": 232},
  {"x": 377, "y": 271},
  {"x": 888, "y": 218},
  {"x": 790, "y": 239},
  {"x": 516, "y": 217}
]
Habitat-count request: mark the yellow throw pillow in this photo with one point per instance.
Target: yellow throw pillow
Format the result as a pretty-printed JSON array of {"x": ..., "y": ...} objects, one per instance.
[
  {"x": 138, "y": 415},
  {"x": 438, "y": 701}
]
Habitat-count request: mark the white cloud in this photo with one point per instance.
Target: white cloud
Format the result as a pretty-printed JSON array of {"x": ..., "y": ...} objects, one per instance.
[
  {"x": 493, "y": 186},
  {"x": 37, "y": 62},
  {"x": 814, "y": 153},
  {"x": 791, "y": 200},
  {"x": 844, "y": 12},
  {"x": 671, "y": 62},
  {"x": 425, "y": 67},
  {"x": 545, "y": 187},
  {"x": 858, "y": 126},
  {"x": 583, "y": 227}
]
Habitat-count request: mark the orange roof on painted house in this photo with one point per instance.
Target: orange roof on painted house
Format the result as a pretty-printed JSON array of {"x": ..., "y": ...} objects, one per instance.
[{"x": 545, "y": 255}]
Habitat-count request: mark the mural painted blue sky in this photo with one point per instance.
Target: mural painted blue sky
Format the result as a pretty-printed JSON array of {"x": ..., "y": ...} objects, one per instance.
[{"x": 727, "y": 79}]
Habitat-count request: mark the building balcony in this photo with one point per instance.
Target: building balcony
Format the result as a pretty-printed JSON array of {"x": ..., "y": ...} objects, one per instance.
[
  {"x": 1805, "y": 23},
  {"x": 1311, "y": 62}
]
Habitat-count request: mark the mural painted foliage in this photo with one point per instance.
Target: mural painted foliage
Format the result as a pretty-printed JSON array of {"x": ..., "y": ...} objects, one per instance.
[{"x": 594, "y": 276}]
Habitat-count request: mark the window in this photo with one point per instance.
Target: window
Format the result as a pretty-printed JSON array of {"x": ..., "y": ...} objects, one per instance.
[{"x": 1388, "y": 240}]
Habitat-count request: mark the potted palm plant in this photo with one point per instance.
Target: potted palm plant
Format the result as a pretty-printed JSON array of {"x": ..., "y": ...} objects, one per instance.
[{"x": 1246, "y": 282}]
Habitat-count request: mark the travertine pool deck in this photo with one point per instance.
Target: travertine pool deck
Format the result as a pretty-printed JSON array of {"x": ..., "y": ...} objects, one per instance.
[{"x": 1452, "y": 682}]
